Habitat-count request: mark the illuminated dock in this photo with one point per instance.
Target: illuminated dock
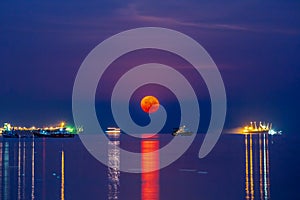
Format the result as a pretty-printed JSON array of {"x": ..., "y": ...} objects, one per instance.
[{"x": 261, "y": 128}]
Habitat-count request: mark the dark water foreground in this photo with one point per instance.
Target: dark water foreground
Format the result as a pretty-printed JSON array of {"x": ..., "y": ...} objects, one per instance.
[{"x": 239, "y": 167}]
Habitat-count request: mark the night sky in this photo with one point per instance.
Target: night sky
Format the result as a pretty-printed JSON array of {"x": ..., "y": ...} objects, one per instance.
[{"x": 255, "y": 44}]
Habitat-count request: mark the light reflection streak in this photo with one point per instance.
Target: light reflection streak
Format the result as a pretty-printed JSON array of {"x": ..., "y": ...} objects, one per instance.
[
  {"x": 23, "y": 170},
  {"x": 1, "y": 163},
  {"x": 19, "y": 169},
  {"x": 62, "y": 191},
  {"x": 265, "y": 169},
  {"x": 44, "y": 169},
  {"x": 32, "y": 170},
  {"x": 247, "y": 172},
  {"x": 6, "y": 171},
  {"x": 113, "y": 167},
  {"x": 14, "y": 161},
  {"x": 251, "y": 169},
  {"x": 268, "y": 168},
  {"x": 150, "y": 161},
  {"x": 263, "y": 188},
  {"x": 260, "y": 169}
]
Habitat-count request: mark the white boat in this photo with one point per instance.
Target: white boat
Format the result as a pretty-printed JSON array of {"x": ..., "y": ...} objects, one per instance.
[
  {"x": 113, "y": 131},
  {"x": 182, "y": 130}
]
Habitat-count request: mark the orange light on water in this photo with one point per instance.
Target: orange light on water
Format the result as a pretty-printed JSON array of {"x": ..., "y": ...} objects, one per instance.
[{"x": 150, "y": 161}]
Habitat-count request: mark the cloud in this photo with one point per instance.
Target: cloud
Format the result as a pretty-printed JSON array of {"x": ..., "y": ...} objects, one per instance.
[{"x": 133, "y": 14}]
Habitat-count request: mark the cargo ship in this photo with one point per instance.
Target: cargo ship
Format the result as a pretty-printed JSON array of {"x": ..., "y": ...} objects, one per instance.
[
  {"x": 54, "y": 133},
  {"x": 60, "y": 131}
]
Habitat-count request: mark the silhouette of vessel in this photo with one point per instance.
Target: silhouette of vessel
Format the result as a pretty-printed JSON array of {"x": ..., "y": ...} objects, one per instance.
[{"x": 182, "y": 130}]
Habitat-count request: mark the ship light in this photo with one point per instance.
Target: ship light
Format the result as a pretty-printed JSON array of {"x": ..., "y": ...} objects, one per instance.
[
  {"x": 272, "y": 132},
  {"x": 62, "y": 124},
  {"x": 70, "y": 129}
]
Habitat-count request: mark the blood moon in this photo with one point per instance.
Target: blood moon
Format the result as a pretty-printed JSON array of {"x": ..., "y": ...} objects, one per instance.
[{"x": 149, "y": 104}]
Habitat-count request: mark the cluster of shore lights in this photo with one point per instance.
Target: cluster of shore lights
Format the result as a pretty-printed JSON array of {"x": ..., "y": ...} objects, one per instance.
[{"x": 263, "y": 127}]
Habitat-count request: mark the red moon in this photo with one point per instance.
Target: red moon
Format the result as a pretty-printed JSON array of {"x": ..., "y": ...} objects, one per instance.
[{"x": 149, "y": 104}]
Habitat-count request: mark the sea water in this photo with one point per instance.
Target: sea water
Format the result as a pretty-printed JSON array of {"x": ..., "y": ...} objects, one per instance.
[{"x": 239, "y": 167}]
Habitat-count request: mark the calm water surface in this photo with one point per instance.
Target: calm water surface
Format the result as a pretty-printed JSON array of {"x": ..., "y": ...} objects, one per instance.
[{"x": 239, "y": 167}]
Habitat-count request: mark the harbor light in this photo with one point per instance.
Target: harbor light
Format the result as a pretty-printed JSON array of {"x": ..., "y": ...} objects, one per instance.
[
  {"x": 70, "y": 129},
  {"x": 250, "y": 129}
]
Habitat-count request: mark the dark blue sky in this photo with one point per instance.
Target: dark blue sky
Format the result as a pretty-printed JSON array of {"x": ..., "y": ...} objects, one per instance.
[{"x": 255, "y": 44}]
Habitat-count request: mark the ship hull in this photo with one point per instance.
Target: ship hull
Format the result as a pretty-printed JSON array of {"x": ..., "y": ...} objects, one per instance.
[
  {"x": 182, "y": 133},
  {"x": 54, "y": 135}
]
